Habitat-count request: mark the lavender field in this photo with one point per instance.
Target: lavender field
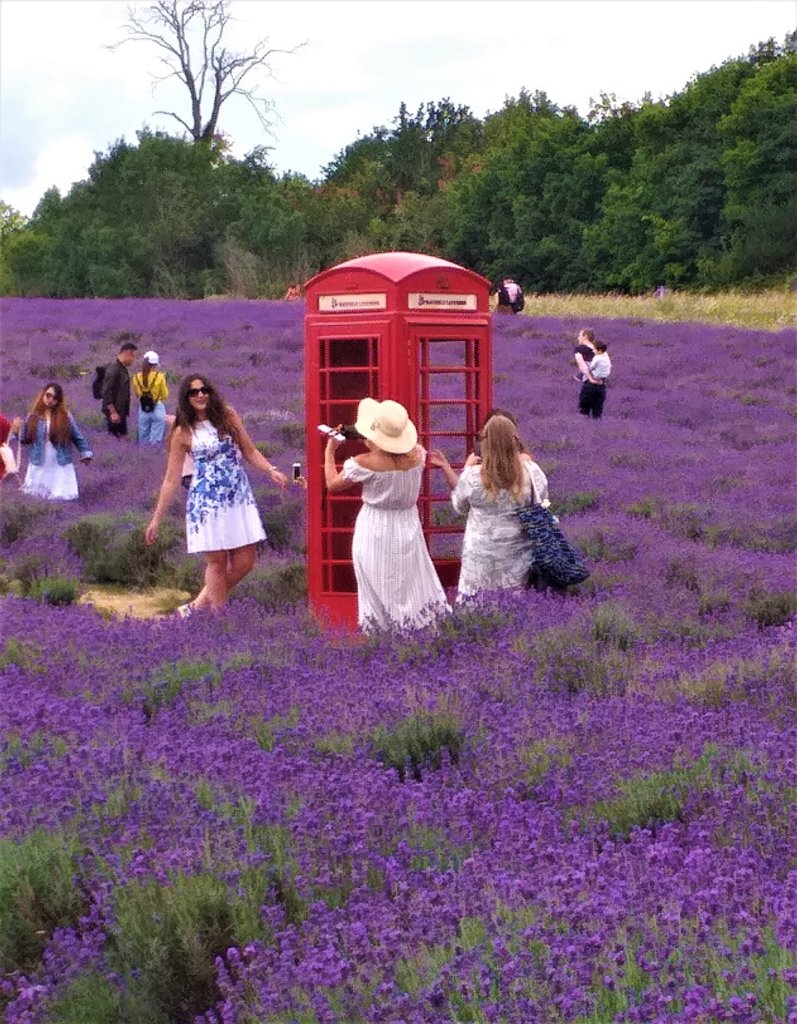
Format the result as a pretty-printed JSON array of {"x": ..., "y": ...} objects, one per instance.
[{"x": 551, "y": 811}]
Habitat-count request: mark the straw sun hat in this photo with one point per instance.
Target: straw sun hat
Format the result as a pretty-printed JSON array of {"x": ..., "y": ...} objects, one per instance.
[{"x": 387, "y": 424}]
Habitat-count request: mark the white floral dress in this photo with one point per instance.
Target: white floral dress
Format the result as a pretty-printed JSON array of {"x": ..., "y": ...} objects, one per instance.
[
  {"x": 496, "y": 552},
  {"x": 397, "y": 583},
  {"x": 221, "y": 513}
]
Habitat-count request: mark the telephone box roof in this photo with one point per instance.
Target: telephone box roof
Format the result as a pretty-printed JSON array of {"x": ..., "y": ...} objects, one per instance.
[{"x": 395, "y": 266}]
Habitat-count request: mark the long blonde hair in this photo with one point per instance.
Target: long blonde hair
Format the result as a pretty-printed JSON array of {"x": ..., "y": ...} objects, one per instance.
[{"x": 502, "y": 469}]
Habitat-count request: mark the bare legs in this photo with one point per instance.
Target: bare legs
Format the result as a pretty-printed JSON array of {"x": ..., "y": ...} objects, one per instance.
[{"x": 223, "y": 570}]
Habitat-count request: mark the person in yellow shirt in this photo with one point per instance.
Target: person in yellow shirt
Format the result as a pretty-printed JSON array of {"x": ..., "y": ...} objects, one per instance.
[{"x": 152, "y": 391}]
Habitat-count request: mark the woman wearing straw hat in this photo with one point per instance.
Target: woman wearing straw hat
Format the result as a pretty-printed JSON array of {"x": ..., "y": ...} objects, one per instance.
[{"x": 397, "y": 584}]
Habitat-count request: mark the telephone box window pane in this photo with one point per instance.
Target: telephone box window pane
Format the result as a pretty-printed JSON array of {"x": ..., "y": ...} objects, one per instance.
[
  {"x": 339, "y": 546},
  {"x": 349, "y": 384},
  {"x": 449, "y": 385},
  {"x": 343, "y": 579},
  {"x": 445, "y": 545},
  {"x": 343, "y": 512},
  {"x": 349, "y": 351},
  {"x": 447, "y": 352}
]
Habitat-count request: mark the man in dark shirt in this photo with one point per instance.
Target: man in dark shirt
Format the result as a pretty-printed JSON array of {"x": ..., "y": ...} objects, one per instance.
[{"x": 116, "y": 390}]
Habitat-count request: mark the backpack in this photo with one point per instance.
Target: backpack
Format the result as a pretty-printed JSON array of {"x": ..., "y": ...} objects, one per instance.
[
  {"x": 146, "y": 401},
  {"x": 519, "y": 302},
  {"x": 97, "y": 383}
]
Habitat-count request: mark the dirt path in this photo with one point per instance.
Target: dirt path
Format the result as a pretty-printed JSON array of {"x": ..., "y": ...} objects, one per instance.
[{"x": 147, "y": 604}]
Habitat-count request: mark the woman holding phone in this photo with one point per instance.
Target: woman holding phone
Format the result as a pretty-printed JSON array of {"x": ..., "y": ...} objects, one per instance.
[{"x": 222, "y": 519}]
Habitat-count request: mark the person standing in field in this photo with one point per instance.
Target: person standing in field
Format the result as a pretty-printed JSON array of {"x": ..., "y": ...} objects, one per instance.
[
  {"x": 222, "y": 519},
  {"x": 496, "y": 551},
  {"x": 116, "y": 390},
  {"x": 593, "y": 390},
  {"x": 152, "y": 391},
  {"x": 583, "y": 353},
  {"x": 50, "y": 432},
  {"x": 397, "y": 583},
  {"x": 8, "y": 464}
]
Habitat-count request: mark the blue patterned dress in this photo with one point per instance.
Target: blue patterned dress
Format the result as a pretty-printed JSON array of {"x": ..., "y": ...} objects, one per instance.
[{"x": 221, "y": 513}]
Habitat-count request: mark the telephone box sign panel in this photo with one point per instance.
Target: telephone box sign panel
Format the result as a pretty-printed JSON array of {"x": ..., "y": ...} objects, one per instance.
[
  {"x": 439, "y": 300},
  {"x": 352, "y": 303}
]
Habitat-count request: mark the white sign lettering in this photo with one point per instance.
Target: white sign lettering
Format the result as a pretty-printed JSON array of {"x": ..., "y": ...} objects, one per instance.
[
  {"x": 351, "y": 303},
  {"x": 434, "y": 300}
]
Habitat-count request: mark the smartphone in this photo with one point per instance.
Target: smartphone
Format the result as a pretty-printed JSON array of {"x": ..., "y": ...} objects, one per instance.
[
  {"x": 297, "y": 470},
  {"x": 331, "y": 432}
]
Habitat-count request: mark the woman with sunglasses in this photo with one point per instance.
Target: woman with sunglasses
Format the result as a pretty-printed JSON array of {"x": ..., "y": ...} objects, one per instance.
[
  {"x": 50, "y": 431},
  {"x": 222, "y": 519}
]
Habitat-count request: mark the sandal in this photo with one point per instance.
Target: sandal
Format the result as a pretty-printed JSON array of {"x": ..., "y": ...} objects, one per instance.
[{"x": 185, "y": 611}]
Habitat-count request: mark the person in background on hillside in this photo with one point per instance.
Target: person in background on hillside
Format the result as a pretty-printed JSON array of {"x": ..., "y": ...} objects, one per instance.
[
  {"x": 152, "y": 391},
  {"x": 293, "y": 293},
  {"x": 116, "y": 390},
  {"x": 397, "y": 584},
  {"x": 593, "y": 390},
  {"x": 8, "y": 463},
  {"x": 496, "y": 551},
  {"x": 50, "y": 431},
  {"x": 509, "y": 295},
  {"x": 583, "y": 353},
  {"x": 222, "y": 519}
]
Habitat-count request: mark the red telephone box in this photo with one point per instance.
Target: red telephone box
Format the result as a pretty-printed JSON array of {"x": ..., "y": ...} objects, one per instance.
[{"x": 397, "y": 325}]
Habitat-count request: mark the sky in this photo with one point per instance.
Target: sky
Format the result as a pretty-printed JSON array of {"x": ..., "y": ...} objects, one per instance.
[{"x": 65, "y": 95}]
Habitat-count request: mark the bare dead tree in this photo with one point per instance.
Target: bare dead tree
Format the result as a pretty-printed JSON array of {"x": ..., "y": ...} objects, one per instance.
[{"x": 190, "y": 34}]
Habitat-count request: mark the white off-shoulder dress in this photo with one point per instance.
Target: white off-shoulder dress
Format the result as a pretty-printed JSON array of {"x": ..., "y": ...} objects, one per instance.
[
  {"x": 496, "y": 552},
  {"x": 397, "y": 584}
]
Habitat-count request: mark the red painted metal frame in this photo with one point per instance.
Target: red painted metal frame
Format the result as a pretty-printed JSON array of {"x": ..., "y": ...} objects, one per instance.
[{"x": 435, "y": 361}]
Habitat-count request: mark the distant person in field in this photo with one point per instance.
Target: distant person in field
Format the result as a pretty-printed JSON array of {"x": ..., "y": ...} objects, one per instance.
[
  {"x": 509, "y": 296},
  {"x": 583, "y": 353},
  {"x": 116, "y": 390},
  {"x": 50, "y": 432},
  {"x": 496, "y": 551},
  {"x": 593, "y": 391},
  {"x": 222, "y": 519},
  {"x": 8, "y": 463},
  {"x": 293, "y": 293},
  {"x": 152, "y": 391}
]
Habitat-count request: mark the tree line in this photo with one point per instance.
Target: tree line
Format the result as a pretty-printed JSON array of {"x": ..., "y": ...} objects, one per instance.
[{"x": 697, "y": 191}]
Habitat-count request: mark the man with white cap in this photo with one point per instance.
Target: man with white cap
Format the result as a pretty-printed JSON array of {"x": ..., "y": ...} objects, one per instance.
[{"x": 152, "y": 391}]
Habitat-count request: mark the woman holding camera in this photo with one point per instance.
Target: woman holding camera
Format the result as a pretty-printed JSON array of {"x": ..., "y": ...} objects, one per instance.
[
  {"x": 222, "y": 519},
  {"x": 397, "y": 584},
  {"x": 496, "y": 551}
]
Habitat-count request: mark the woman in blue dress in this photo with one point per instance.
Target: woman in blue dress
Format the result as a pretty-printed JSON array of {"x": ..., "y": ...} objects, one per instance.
[{"x": 222, "y": 519}]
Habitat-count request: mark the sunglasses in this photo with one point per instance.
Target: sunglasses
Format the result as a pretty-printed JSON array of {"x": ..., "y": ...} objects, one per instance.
[
  {"x": 193, "y": 392},
  {"x": 50, "y": 394}
]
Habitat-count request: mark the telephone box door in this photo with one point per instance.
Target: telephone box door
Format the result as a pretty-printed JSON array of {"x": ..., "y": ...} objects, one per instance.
[
  {"x": 345, "y": 363},
  {"x": 454, "y": 393}
]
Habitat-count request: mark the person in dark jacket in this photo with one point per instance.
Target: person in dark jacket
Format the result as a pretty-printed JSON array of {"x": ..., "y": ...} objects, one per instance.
[{"x": 116, "y": 390}]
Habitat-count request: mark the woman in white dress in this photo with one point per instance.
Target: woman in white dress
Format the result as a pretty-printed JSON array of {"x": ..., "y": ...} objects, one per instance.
[
  {"x": 222, "y": 519},
  {"x": 496, "y": 552},
  {"x": 50, "y": 432},
  {"x": 397, "y": 584}
]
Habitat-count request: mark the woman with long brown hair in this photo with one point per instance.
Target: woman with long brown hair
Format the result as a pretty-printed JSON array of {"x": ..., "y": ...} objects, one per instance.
[
  {"x": 222, "y": 519},
  {"x": 50, "y": 431},
  {"x": 496, "y": 552}
]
